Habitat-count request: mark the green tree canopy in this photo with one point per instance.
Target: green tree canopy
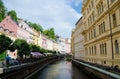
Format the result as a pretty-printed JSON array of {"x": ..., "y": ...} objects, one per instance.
[
  {"x": 34, "y": 48},
  {"x": 50, "y": 33},
  {"x": 46, "y": 32},
  {"x": 5, "y": 42},
  {"x": 13, "y": 15},
  {"x": 22, "y": 46},
  {"x": 37, "y": 27},
  {"x": 2, "y": 11}
]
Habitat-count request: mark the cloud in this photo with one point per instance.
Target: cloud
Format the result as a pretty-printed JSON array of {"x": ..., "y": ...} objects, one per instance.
[{"x": 48, "y": 13}]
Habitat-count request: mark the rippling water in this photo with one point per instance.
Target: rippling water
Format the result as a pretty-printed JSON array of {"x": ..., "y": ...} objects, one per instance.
[{"x": 60, "y": 70}]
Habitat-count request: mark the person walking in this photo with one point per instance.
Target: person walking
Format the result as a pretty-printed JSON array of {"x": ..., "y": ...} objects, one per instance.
[{"x": 8, "y": 58}]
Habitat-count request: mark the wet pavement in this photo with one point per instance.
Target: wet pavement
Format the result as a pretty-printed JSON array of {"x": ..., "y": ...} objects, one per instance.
[{"x": 60, "y": 70}]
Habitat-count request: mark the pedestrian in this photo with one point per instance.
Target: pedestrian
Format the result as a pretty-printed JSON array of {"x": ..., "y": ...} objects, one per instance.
[{"x": 8, "y": 58}]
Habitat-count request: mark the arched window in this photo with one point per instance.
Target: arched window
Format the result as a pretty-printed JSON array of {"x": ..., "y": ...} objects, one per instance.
[{"x": 116, "y": 46}]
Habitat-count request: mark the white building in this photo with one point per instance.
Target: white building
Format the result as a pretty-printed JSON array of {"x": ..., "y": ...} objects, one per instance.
[
  {"x": 24, "y": 31},
  {"x": 62, "y": 45},
  {"x": 49, "y": 44}
]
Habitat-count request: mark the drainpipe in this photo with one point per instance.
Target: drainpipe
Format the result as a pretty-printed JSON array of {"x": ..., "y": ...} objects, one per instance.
[{"x": 111, "y": 33}]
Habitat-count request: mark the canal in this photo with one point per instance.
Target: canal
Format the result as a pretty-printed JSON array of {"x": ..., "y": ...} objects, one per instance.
[{"x": 60, "y": 70}]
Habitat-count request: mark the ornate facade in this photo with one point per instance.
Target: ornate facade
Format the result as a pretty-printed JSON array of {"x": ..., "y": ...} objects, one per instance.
[{"x": 101, "y": 20}]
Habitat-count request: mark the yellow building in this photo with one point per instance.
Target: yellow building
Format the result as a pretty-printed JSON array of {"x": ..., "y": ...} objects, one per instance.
[
  {"x": 72, "y": 43},
  {"x": 35, "y": 37},
  {"x": 101, "y": 19}
]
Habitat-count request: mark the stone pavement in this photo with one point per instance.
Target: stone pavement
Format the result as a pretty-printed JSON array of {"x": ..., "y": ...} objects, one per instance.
[{"x": 1, "y": 68}]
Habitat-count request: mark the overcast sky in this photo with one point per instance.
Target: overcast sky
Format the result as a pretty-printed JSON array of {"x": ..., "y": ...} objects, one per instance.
[{"x": 59, "y": 14}]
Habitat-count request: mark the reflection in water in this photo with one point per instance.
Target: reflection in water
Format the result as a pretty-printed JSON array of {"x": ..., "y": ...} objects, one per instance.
[{"x": 60, "y": 70}]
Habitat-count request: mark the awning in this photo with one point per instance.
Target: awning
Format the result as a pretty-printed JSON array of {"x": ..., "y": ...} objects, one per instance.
[{"x": 36, "y": 54}]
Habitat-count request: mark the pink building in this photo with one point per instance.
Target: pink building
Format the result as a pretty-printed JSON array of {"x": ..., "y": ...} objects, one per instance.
[
  {"x": 8, "y": 26},
  {"x": 44, "y": 42},
  {"x": 68, "y": 46}
]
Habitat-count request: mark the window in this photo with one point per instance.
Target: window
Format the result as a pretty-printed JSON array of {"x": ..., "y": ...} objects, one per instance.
[
  {"x": 1, "y": 28},
  {"x": 100, "y": 8},
  {"x": 86, "y": 51},
  {"x": 95, "y": 50},
  {"x": 99, "y": 29},
  {"x": 87, "y": 10},
  {"x": 114, "y": 20},
  {"x": 91, "y": 34},
  {"x": 103, "y": 26},
  {"x": 105, "y": 46},
  {"x": 116, "y": 46},
  {"x": 6, "y": 30},
  {"x": 93, "y": 16},
  {"x": 92, "y": 3},
  {"x": 92, "y": 50},
  {"x": 100, "y": 49},
  {"x": 112, "y": 1},
  {"x": 94, "y": 33},
  {"x": 11, "y": 32},
  {"x": 104, "y": 62}
]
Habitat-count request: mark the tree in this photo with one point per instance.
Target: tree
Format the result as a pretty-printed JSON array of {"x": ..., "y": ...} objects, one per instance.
[
  {"x": 13, "y": 15},
  {"x": 22, "y": 46},
  {"x": 2, "y": 11},
  {"x": 51, "y": 33},
  {"x": 5, "y": 42},
  {"x": 34, "y": 48},
  {"x": 37, "y": 27},
  {"x": 45, "y": 32}
]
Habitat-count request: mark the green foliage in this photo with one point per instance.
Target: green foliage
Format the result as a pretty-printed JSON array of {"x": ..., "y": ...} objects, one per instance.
[
  {"x": 46, "y": 32},
  {"x": 22, "y": 46},
  {"x": 2, "y": 55},
  {"x": 13, "y": 15},
  {"x": 37, "y": 27},
  {"x": 4, "y": 43},
  {"x": 34, "y": 48},
  {"x": 2, "y": 11},
  {"x": 50, "y": 33}
]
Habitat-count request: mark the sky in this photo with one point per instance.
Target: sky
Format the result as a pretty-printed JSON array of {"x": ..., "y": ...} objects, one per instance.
[{"x": 59, "y": 14}]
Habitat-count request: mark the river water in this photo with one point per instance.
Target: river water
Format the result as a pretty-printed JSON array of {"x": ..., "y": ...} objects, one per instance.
[{"x": 60, "y": 70}]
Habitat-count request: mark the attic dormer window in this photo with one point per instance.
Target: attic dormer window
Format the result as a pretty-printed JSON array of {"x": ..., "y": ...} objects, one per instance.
[
  {"x": 6, "y": 30},
  {"x": 11, "y": 32},
  {"x": 1, "y": 28}
]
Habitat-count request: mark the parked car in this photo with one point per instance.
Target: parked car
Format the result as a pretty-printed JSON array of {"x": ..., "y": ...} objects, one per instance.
[{"x": 14, "y": 62}]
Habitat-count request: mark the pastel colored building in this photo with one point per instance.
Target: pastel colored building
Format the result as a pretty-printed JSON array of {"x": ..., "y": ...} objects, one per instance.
[
  {"x": 40, "y": 40},
  {"x": 68, "y": 46},
  {"x": 9, "y": 28},
  {"x": 62, "y": 45},
  {"x": 24, "y": 31},
  {"x": 55, "y": 46},
  {"x": 44, "y": 42},
  {"x": 49, "y": 44},
  {"x": 35, "y": 37},
  {"x": 72, "y": 44}
]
